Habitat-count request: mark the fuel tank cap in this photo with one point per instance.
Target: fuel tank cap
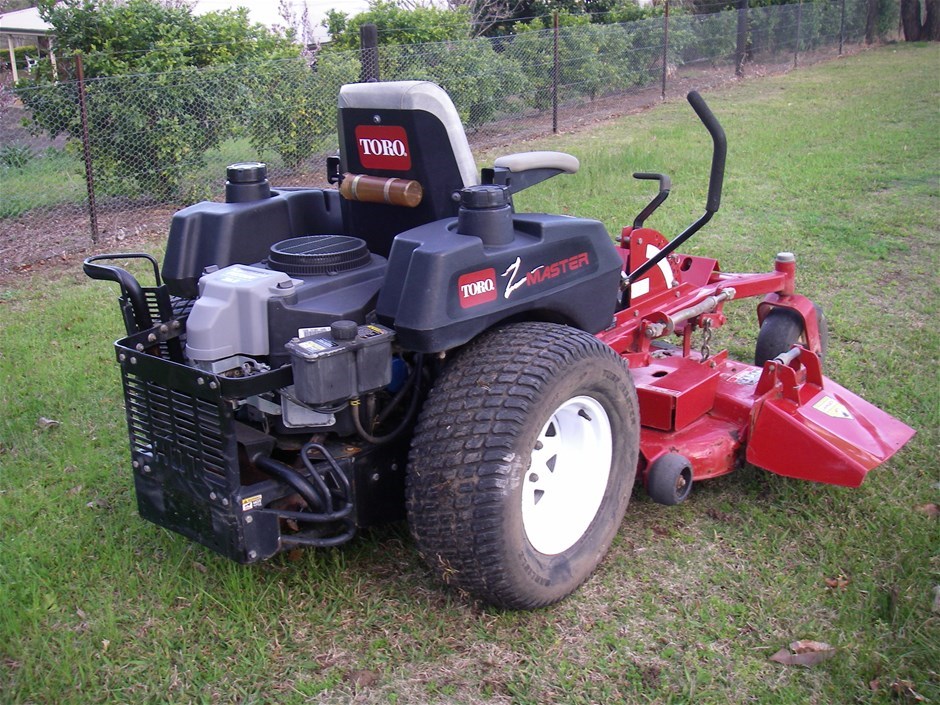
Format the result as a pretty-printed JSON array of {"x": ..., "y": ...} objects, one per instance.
[{"x": 484, "y": 196}]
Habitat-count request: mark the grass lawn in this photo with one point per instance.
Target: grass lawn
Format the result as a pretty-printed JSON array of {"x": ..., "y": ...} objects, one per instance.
[{"x": 838, "y": 163}]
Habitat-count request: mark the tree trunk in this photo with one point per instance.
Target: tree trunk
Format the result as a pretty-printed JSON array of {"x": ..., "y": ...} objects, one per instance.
[
  {"x": 910, "y": 19},
  {"x": 931, "y": 29},
  {"x": 871, "y": 19},
  {"x": 914, "y": 29}
]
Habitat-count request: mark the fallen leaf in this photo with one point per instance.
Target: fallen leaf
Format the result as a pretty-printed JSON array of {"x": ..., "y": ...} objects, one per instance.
[
  {"x": 930, "y": 509},
  {"x": 98, "y": 503},
  {"x": 81, "y": 613},
  {"x": 804, "y": 653},
  {"x": 838, "y": 582},
  {"x": 936, "y": 598},
  {"x": 874, "y": 684},
  {"x": 45, "y": 424},
  {"x": 74, "y": 491},
  {"x": 905, "y": 689},
  {"x": 805, "y": 646},
  {"x": 105, "y": 643},
  {"x": 363, "y": 678},
  {"x": 200, "y": 567}
]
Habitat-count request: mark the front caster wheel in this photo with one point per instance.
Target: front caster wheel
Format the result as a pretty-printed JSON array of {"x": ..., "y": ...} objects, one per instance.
[
  {"x": 669, "y": 479},
  {"x": 522, "y": 464},
  {"x": 781, "y": 329}
]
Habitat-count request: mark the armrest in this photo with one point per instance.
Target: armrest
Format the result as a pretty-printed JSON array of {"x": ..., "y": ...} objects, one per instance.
[
  {"x": 519, "y": 171},
  {"x": 524, "y": 161}
]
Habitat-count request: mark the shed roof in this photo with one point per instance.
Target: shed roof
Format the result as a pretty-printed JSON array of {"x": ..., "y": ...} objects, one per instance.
[{"x": 25, "y": 21}]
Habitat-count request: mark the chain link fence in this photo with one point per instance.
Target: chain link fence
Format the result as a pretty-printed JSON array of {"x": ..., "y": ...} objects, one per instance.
[{"x": 110, "y": 158}]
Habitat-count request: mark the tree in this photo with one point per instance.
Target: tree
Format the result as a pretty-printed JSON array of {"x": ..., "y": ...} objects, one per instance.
[
  {"x": 293, "y": 112},
  {"x": 162, "y": 85},
  {"x": 399, "y": 25},
  {"x": 486, "y": 15},
  {"x": 917, "y": 29}
]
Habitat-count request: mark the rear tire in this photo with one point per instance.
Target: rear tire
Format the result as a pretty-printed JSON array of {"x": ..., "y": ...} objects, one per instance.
[
  {"x": 522, "y": 464},
  {"x": 781, "y": 329}
]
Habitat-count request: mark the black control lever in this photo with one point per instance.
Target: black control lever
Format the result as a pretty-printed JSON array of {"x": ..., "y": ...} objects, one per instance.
[
  {"x": 715, "y": 181},
  {"x": 664, "y": 185},
  {"x": 717, "y": 177}
]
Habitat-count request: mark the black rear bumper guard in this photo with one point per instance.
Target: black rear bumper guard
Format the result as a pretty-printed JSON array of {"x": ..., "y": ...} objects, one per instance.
[{"x": 185, "y": 439}]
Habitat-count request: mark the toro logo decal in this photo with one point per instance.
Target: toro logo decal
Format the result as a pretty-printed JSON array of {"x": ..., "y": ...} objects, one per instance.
[
  {"x": 382, "y": 147},
  {"x": 477, "y": 288}
]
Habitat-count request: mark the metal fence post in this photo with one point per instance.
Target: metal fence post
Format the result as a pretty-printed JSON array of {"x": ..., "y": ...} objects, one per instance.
[
  {"x": 86, "y": 149},
  {"x": 665, "y": 48},
  {"x": 555, "y": 72},
  {"x": 799, "y": 19},
  {"x": 742, "y": 38},
  {"x": 369, "y": 54},
  {"x": 842, "y": 28}
]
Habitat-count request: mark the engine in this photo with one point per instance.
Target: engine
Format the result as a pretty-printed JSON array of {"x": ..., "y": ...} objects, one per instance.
[{"x": 309, "y": 305}]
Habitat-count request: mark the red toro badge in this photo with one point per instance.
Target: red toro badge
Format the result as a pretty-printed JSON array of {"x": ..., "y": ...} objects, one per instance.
[
  {"x": 477, "y": 288},
  {"x": 382, "y": 147}
]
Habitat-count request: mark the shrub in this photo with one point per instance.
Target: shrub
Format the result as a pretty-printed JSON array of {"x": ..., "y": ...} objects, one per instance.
[
  {"x": 16, "y": 156},
  {"x": 293, "y": 105},
  {"x": 162, "y": 86}
]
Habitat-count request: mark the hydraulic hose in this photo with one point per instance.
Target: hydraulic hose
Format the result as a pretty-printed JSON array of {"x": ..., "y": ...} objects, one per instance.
[
  {"x": 305, "y": 489},
  {"x": 409, "y": 414}
]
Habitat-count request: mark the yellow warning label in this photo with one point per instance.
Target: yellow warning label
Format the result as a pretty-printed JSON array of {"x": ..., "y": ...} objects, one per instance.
[
  {"x": 833, "y": 408},
  {"x": 253, "y": 502}
]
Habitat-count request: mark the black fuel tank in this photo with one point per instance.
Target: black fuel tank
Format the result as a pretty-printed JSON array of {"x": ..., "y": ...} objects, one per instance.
[
  {"x": 443, "y": 288},
  {"x": 241, "y": 232}
]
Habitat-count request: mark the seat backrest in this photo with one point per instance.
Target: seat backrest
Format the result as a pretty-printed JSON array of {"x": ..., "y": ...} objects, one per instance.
[{"x": 407, "y": 130}]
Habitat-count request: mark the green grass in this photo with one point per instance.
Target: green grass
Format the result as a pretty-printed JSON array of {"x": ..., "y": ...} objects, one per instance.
[
  {"x": 837, "y": 163},
  {"x": 47, "y": 179}
]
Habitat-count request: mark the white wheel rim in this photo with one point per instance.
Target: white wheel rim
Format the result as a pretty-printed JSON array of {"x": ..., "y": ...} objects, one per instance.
[{"x": 567, "y": 476}]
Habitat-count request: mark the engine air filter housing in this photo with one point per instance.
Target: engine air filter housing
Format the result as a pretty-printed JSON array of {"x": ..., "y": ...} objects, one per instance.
[{"x": 314, "y": 255}]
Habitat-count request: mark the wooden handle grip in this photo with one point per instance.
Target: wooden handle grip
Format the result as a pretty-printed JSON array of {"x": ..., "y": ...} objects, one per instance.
[{"x": 378, "y": 189}]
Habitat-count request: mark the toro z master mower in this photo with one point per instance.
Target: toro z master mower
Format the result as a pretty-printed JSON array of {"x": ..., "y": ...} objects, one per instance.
[{"x": 313, "y": 361}]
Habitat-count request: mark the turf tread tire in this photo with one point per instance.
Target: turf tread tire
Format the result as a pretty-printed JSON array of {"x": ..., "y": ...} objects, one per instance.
[{"x": 468, "y": 459}]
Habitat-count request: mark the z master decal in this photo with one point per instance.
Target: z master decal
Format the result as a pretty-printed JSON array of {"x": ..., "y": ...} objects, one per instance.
[
  {"x": 512, "y": 284},
  {"x": 542, "y": 272}
]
